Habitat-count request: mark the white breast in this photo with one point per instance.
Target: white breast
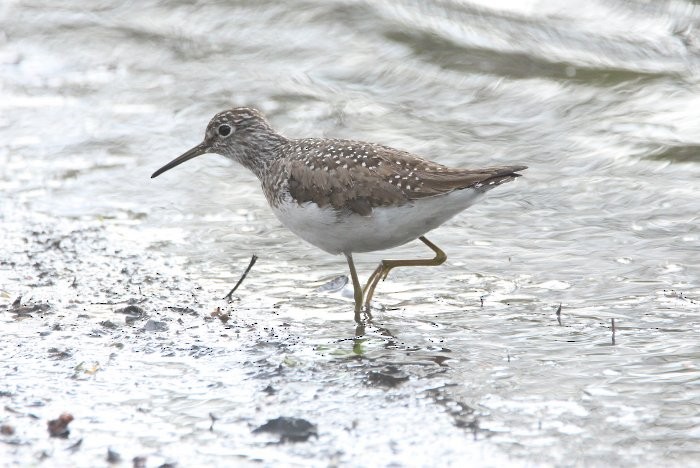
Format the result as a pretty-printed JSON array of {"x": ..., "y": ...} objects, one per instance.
[{"x": 338, "y": 232}]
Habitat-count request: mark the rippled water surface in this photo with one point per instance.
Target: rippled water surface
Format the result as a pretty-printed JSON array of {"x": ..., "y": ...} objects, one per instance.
[{"x": 467, "y": 361}]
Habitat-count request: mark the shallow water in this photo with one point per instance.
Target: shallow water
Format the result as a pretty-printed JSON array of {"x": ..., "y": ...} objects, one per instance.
[{"x": 467, "y": 361}]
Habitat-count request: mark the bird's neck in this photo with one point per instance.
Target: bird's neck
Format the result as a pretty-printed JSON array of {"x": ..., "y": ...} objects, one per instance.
[{"x": 258, "y": 152}]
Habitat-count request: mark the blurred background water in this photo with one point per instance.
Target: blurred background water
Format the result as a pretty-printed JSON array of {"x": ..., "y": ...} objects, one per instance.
[{"x": 600, "y": 99}]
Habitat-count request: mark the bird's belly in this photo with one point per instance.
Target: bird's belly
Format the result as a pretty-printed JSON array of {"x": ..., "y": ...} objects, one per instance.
[{"x": 386, "y": 227}]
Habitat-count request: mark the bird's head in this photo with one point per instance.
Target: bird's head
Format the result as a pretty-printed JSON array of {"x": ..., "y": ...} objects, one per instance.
[{"x": 241, "y": 134}]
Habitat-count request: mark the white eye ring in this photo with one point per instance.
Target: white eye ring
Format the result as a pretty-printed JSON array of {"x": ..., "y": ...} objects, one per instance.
[{"x": 224, "y": 130}]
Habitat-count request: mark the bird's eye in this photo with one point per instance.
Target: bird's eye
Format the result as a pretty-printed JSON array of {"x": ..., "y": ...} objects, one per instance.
[{"x": 224, "y": 130}]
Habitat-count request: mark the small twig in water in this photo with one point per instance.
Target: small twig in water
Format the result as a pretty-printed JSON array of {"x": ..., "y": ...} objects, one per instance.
[
  {"x": 613, "y": 330},
  {"x": 253, "y": 259},
  {"x": 559, "y": 314}
]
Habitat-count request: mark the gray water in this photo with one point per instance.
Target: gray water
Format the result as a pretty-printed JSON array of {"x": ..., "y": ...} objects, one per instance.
[{"x": 466, "y": 363}]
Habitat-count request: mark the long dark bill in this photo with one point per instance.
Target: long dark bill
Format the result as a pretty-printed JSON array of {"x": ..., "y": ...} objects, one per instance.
[{"x": 193, "y": 153}]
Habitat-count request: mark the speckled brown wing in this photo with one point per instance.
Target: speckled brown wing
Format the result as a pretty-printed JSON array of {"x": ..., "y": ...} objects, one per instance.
[
  {"x": 357, "y": 176},
  {"x": 420, "y": 178},
  {"x": 343, "y": 188},
  {"x": 438, "y": 183}
]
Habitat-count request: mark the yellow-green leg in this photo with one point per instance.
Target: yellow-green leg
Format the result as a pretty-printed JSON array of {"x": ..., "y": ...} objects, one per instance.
[
  {"x": 357, "y": 289},
  {"x": 387, "y": 265}
]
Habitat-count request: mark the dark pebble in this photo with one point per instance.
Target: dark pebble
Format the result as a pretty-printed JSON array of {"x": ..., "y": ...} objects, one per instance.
[
  {"x": 59, "y": 427},
  {"x": 131, "y": 310},
  {"x": 386, "y": 378},
  {"x": 155, "y": 325},
  {"x": 113, "y": 457},
  {"x": 289, "y": 429}
]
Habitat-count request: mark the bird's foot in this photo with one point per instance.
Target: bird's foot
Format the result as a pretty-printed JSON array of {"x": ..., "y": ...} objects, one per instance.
[{"x": 363, "y": 317}]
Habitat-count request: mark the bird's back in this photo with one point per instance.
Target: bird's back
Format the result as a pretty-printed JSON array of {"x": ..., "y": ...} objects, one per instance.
[{"x": 359, "y": 177}]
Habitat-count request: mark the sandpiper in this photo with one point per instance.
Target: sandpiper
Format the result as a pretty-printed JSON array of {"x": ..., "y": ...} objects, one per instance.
[{"x": 347, "y": 196}]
